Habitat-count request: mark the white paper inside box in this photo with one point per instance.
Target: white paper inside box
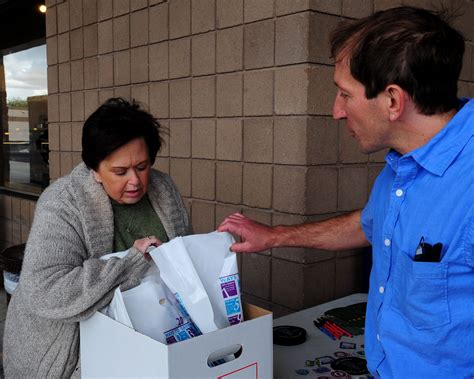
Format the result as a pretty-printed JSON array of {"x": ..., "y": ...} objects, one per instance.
[{"x": 111, "y": 349}]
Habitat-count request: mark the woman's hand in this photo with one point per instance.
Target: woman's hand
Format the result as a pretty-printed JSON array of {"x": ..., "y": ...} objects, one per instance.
[{"x": 144, "y": 244}]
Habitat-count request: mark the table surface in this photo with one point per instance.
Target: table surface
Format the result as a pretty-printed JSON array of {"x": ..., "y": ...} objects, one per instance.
[{"x": 288, "y": 359}]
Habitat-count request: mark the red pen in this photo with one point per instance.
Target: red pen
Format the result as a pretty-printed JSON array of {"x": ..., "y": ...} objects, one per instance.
[{"x": 340, "y": 329}]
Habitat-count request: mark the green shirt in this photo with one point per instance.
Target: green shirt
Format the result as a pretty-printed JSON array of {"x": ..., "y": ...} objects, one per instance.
[{"x": 135, "y": 221}]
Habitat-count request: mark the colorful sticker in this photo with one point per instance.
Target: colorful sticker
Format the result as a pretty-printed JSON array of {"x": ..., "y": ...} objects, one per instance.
[{"x": 230, "y": 288}]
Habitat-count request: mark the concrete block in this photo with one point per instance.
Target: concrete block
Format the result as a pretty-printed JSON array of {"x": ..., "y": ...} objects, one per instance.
[
  {"x": 65, "y": 107},
  {"x": 122, "y": 74},
  {"x": 287, "y": 283},
  {"x": 229, "y": 13},
  {"x": 352, "y": 189},
  {"x": 289, "y": 189},
  {"x": 53, "y": 85},
  {"x": 77, "y": 75},
  {"x": 322, "y": 91},
  {"x": 77, "y": 44},
  {"x": 159, "y": 100},
  {"x": 321, "y": 190},
  {"x": 165, "y": 137},
  {"x": 380, "y": 5},
  {"x": 258, "y": 93},
  {"x": 256, "y": 275},
  {"x": 52, "y": 50},
  {"x": 138, "y": 4},
  {"x": 76, "y": 135},
  {"x": 139, "y": 64},
  {"x": 467, "y": 62},
  {"x": 349, "y": 151},
  {"x": 123, "y": 92},
  {"x": 63, "y": 17},
  {"x": 91, "y": 79},
  {"x": 65, "y": 164},
  {"x": 293, "y": 39},
  {"x": 224, "y": 210},
  {"x": 180, "y": 58},
  {"x": 139, "y": 28},
  {"x": 204, "y": 97},
  {"x": 229, "y": 95},
  {"x": 90, "y": 12},
  {"x": 258, "y": 140},
  {"x": 140, "y": 94},
  {"x": 327, "y": 6},
  {"x": 203, "y": 138},
  {"x": 51, "y": 22},
  {"x": 229, "y": 50},
  {"x": 64, "y": 71},
  {"x": 257, "y": 185},
  {"x": 180, "y": 138},
  {"x": 229, "y": 139},
  {"x": 357, "y": 9},
  {"x": 53, "y": 108},
  {"x": 301, "y": 140},
  {"x": 180, "y": 98},
  {"x": 203, "y": 15},
  {"x": 91, "y": 40},
  {"x": 203, "y": 216},
  {"x": 91, "y": 102},
  {"x": 106, "y": 70},
  {"x": 204, "y": 54},
  {"x": 121, "y": 32},
  {"x": 203, "y": 181},
  {"x": 162, "y": 164},
  {"x": 255, "y": 10},
  {"x": 121, "y": 7},
  {"x": 105, "y": 9},
  {"x": 75, "y": 14},
  {"x": 229, "y": 182},
  {"x": 158, "y": 23},
  {"x": 77, "y": 112},
  {"x": 53, "y": 134},
  {"x": 64, "y": 53},
  {"x": 291, "y": 90},
  {"x": 259, "y": 44},
  {"x": 158, "y": 61},
  {"x": 320, "y": 28},
  {"x": 65, "y": 137},
  {"x": 319, "y": 279},
  {"x": 180, "y": 171},
  {"x": 105, "y": 94},
  {"x": 284, "y": 7},
  {"x": 352, "y": 275},
  {"x": 179, "y": 18}
]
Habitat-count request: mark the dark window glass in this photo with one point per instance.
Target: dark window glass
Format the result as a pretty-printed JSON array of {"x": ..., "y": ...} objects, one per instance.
[{"x": 25, "y": 120}]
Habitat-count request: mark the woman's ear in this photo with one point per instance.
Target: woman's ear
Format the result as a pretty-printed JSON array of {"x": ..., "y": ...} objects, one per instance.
[{"x": 97, "y": 177}]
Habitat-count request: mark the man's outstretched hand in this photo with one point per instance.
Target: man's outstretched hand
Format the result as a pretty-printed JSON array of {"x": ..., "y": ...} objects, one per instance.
[{"x": 255, "y": 237}]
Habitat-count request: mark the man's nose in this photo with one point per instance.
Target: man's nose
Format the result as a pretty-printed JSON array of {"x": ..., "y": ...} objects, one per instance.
[{"x": 338, "y": 112}]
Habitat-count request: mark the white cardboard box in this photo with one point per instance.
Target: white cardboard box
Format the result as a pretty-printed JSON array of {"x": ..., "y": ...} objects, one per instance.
[{"x": 110, "y": 349}]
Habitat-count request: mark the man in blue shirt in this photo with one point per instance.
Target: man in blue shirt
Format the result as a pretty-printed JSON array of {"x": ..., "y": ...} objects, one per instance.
[{"x": 396, "y": 73}]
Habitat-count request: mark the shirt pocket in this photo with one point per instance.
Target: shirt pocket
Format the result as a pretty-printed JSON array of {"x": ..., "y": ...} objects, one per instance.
[{"x": 420, "y": 292}]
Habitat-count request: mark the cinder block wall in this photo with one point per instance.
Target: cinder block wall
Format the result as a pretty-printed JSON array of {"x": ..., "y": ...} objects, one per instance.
[{"x": 245, "y": 89}]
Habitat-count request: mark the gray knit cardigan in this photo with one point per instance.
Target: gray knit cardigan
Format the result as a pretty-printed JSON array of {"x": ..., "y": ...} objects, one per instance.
[{"x": 63, "y": 281}]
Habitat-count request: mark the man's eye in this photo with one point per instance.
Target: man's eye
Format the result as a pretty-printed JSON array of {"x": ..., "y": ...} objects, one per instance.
[{"x": 344, "y": 95}]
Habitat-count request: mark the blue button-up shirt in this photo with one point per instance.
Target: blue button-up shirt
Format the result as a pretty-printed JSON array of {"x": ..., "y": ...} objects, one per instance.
[{"x": 420, "y": 315}]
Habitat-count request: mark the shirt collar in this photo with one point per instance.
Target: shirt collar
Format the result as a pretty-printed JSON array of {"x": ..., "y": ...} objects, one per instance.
[{"x": 438, "y": 154}]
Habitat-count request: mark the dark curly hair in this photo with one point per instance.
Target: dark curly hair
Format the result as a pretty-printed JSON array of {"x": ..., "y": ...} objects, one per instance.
[{"x": 114, "y": 124}]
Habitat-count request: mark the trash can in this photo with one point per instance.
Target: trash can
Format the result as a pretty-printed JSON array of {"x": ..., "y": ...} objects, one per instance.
[{"x": 11, "y": 260}]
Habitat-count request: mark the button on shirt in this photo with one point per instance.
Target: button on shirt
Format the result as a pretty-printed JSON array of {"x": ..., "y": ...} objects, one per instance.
[{"x": 420, "y": 315}]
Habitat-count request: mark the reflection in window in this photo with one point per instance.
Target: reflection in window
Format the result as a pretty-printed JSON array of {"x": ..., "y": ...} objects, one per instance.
[{"x": 25, "y": 127}]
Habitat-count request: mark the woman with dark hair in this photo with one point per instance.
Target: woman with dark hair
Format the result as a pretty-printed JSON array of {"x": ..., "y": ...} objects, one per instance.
[{"x": 113, "y": 201}]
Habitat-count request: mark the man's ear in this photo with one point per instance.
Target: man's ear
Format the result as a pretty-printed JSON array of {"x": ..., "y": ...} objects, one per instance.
[
  {"x": 96, "y": 176},
  {"x": 396, "y": 101}
]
